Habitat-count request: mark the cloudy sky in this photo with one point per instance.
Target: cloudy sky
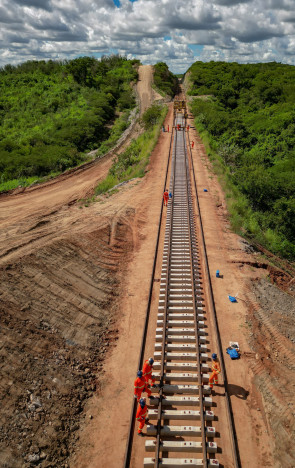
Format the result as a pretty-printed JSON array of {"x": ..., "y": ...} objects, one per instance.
[{"x": 178, "y": 32}]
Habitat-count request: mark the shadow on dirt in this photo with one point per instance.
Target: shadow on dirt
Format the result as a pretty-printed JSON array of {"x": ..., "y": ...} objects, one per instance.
[{"x": 237, "y": 391}]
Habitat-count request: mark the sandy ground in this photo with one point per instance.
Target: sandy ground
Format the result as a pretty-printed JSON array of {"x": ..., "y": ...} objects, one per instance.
[{"x": 74, "y": 286}]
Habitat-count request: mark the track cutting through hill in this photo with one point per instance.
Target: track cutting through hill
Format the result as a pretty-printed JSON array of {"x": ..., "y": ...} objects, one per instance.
[{"x": 53, "y": 247}]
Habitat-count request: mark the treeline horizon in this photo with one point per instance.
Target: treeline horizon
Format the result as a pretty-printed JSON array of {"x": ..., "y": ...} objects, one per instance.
[{"x": 247, "y": 117}]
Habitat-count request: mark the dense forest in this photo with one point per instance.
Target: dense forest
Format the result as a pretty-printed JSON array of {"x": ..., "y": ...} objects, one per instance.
[
  {"x": 53, "y": 113},
  {"x": 247, "y": 114},
  {"x": 164, "y": 80}
]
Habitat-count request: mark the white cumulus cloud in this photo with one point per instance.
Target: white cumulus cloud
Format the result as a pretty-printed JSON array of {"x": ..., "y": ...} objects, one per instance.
[{"x": 178, "y": 32}]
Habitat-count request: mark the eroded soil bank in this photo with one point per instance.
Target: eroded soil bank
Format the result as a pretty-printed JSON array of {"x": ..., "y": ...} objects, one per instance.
[{"x": 58, "y": 315}]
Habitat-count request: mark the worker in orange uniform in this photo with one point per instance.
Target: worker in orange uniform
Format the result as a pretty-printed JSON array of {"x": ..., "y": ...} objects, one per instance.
[
  {"x": 193, "y": 144},
  {"x": 178, "y": 126},
  {"x": 166, "y": 197},
  {"x": 141, "y": 416},
  {"x": 147, "y": 371},
  {"x": 213, "y": 379},
  {"x": 140, "y": 386},
  {"x": 168, "y": 128}
]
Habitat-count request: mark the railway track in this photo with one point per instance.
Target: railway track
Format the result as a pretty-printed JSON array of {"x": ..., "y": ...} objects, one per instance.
[{"x": 181, "y": 428}]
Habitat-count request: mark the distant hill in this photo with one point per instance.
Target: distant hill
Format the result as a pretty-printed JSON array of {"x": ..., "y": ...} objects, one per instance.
[
  {"x": 53, "y": 113},
  {"x": 250, "y": 121}
]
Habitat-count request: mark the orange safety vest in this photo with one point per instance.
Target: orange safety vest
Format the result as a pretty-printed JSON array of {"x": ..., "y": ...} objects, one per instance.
[
  {"x": 141, "y": 413},
  {"x": 139, "y": 384},
  {"x": 215, "y": 367},
  {"x": 147, "y": 368},
  {"x": 166, "y": 195}
]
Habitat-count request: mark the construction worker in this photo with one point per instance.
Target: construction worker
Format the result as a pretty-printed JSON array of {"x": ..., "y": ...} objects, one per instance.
[
  {"x": 166, "y": 197},
  {"x": 213, "y": 379},
  {"x": 193, "y": 144},
  {"x": 147, "y": 371},
  {"x": 140, "y": 386},
  {"x": 168, "y": 129},
  {"x": 141, "y": 415}
]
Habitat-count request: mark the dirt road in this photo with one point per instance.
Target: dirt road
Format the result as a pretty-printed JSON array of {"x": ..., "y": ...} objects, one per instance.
[
  {"x": 74, "y": 284},
  {"x": 147, "y": 94}
]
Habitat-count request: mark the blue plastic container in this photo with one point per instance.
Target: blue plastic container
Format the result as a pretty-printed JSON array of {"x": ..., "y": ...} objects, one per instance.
[{"x": 232, "y": 299}]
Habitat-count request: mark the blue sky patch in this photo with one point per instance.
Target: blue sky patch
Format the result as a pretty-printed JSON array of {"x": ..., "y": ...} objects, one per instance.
[
  {"x": 118, "y": 4},
  {"x": 197, "y": 49}
]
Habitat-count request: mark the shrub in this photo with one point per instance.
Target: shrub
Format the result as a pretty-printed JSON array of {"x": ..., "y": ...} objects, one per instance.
[{"x": 151, "y": 116}]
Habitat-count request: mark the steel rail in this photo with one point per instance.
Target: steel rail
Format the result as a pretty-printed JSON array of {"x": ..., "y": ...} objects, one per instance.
[
  {"x": 128, "y": 450},
  {"x": 189, "y": 229},
  {"x": 189, "y": 197},
  {"x": 233, "y": 434},
  {"x": 158, "y": 443}
]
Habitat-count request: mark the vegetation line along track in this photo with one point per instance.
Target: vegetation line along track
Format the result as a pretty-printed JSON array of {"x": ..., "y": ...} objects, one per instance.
[{"x": 181, "y": 353}]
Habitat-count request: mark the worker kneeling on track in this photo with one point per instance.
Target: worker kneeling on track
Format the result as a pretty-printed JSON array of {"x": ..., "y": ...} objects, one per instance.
[
  {"x": 141, "y": 415},
  {"x": 140, "y": 385},
  {"x": 213, "y": 379},
  {"x": 147, "y": 371}
]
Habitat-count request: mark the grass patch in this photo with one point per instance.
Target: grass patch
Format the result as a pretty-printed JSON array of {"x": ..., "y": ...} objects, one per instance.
[
  {"x": 15, "y": 183},
  {"x": 109, "y": 182}
]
